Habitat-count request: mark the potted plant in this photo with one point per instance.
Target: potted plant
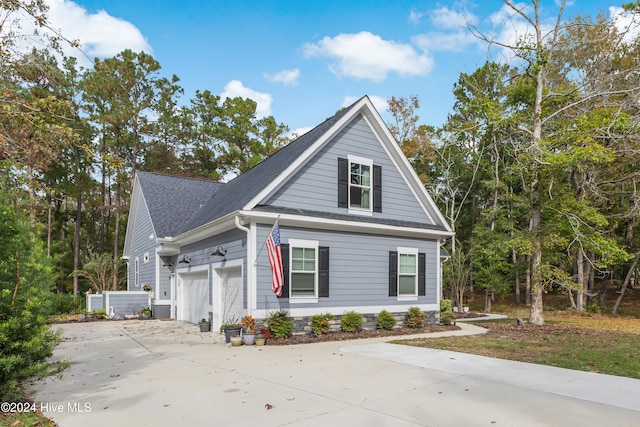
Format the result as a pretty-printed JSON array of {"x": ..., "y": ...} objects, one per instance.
[
  {"x": 236, "y": 340},
  {"x": 204, "y": 324},
  {"x": 230, "y": 328},
  {"x": 249, "y": 325},
  {"x": 144, "y": 313},
  {"x": 264, "y": 329},
  {"x": 260, "y": 339}
]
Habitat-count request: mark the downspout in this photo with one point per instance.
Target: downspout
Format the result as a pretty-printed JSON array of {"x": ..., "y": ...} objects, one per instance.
[{"x": 250, "y": 267}]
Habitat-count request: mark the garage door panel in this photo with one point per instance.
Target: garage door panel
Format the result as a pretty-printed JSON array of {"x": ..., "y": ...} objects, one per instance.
[{"x": 194, "y": 297}]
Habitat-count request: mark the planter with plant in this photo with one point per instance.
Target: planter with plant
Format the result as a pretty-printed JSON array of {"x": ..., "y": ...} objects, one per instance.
[
  {"x": 144, "y": 313},
  {"x": 280, "y": 326},
  {"x": 260, "y": 339},
  {"x": 205, "y": 325},
  {"x": 230, "y": 328},
  {"x": 249, "y": 326}
]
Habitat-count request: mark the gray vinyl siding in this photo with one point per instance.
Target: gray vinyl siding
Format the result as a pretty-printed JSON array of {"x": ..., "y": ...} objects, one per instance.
[
  {"x": 126, "y": 303},
  {"x": 359, "y": 269},
  {"x": 200, "y": 253},
  {"x": 163, "y": 291},
  {"x": 316, "y": 183},
  {"x": 94, "y": 302},
  {"x": 141, "y": 244}
]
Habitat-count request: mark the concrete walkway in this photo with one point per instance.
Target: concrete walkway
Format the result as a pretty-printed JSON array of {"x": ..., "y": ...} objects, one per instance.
[{"x": 153, "y": 373}]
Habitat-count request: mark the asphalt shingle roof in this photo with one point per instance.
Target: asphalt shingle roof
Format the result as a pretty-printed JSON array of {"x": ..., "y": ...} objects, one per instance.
[{"x": 173, "y": 200}]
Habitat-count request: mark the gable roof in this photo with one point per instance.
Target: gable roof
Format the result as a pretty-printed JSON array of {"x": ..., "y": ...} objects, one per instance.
[
  {"x": 246, "y": 191},
  {"x": 173, "y": 200}
]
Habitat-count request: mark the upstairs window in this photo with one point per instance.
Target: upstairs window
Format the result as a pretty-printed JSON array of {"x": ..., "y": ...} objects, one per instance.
[{"x": 359, "y": 185}]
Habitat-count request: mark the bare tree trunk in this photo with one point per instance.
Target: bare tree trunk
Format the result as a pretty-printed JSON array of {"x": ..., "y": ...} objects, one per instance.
[
  {"x": 488, "y": 298},
  {"x": 116, "y": 238},
  {"x": 527, "y": 276},
  {"x": 580, "y": 292},
  {"x": 76, "y": 244},
  {"x": 627, "y": 279},
  {"x": 571, "y": 300},
  {"x": 514, "y": 259},
  {"x": 535, "y": 316}
]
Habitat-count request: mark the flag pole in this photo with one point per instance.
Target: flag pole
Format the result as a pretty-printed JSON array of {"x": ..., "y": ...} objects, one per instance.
[{"x": 255, "y": 262}]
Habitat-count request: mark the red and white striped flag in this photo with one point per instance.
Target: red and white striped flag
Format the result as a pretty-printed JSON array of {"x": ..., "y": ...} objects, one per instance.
[{"x": 275, "y": 259}]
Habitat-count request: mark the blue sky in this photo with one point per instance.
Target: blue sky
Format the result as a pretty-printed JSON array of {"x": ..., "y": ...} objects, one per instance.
[{"x": 303, "y": 60}]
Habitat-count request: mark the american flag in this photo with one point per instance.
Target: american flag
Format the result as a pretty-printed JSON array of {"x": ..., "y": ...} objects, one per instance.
[{"x": 275, "y": 259}]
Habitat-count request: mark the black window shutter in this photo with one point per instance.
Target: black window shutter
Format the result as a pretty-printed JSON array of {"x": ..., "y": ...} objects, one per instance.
[
  {"x": 343, "y": 183},
  {"x": 377, "y": 188},
  {"x": 323, "y": 279},
  {"x": 393, "y": 274},
  {"x": 422, "y": 281},
  {"x": 284, "y": 251}
]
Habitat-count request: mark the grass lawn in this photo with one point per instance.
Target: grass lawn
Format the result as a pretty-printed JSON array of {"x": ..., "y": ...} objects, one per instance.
[
  {"x": 24, "y": 420},
  {"x": 591, "y": 343}
]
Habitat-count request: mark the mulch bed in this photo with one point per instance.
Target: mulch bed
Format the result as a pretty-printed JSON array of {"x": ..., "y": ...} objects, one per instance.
[{"x": 365, "y": 333}]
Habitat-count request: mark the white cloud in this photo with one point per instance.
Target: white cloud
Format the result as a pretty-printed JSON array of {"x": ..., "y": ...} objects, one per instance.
[
  {"x": 379, "y": 102},
  {"x": 100, "y": 34},
  {"x": 368, "y": 56},
  {"x": 235, "y": 88},
  {"x": 415, "y": 17},
  {"x": 286, "y": 77},
  {"x": 450, "y": 19},
  {"x": 451, "y": 42},
  {"x": 626, "y": 23}
]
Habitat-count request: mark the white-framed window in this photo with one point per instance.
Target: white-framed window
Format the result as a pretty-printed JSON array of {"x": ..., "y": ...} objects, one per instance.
[
  {"x": 136, "y": 273},
  {"x": 407, "y": 272},
  {"x": 360, "y": 183},
  {"x": 303, "y": 262}
]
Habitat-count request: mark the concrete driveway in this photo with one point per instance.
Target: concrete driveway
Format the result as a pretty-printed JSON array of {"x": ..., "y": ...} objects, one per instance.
[{"x": 161, "y": 373}]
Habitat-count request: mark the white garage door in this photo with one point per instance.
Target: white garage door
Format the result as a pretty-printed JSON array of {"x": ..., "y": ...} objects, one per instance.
[
  {"x": 230, "y": 294},
  {"x": 193, "y": 302}
]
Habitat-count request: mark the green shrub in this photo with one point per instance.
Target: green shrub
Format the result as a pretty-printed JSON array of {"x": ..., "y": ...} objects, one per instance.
[
  {"x": 446, "y": 305},
  {"x": 280, "y": 326},
  {"x": 26, "y": 276},
  {"x": 320, "y": 323},
  {"x": 351, "y": 321},
  {"x": 415, "y": 318},
  {"x": 446, "y": 318},
  {"x": 385, "y": 320}
]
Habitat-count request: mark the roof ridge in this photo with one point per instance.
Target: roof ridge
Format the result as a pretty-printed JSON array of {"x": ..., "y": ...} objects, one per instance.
[{"x": 193, "y": 178}]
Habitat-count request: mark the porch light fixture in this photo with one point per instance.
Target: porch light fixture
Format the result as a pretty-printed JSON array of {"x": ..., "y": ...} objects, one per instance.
[
  {"x": 220, "y": 251},
  {"x": 185, "y": 260}
]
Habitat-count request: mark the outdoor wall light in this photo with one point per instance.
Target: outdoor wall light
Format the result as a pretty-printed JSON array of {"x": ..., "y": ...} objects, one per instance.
[
  {"x": 185, "y": 260},
  {"x": 220, "y": 251}
]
